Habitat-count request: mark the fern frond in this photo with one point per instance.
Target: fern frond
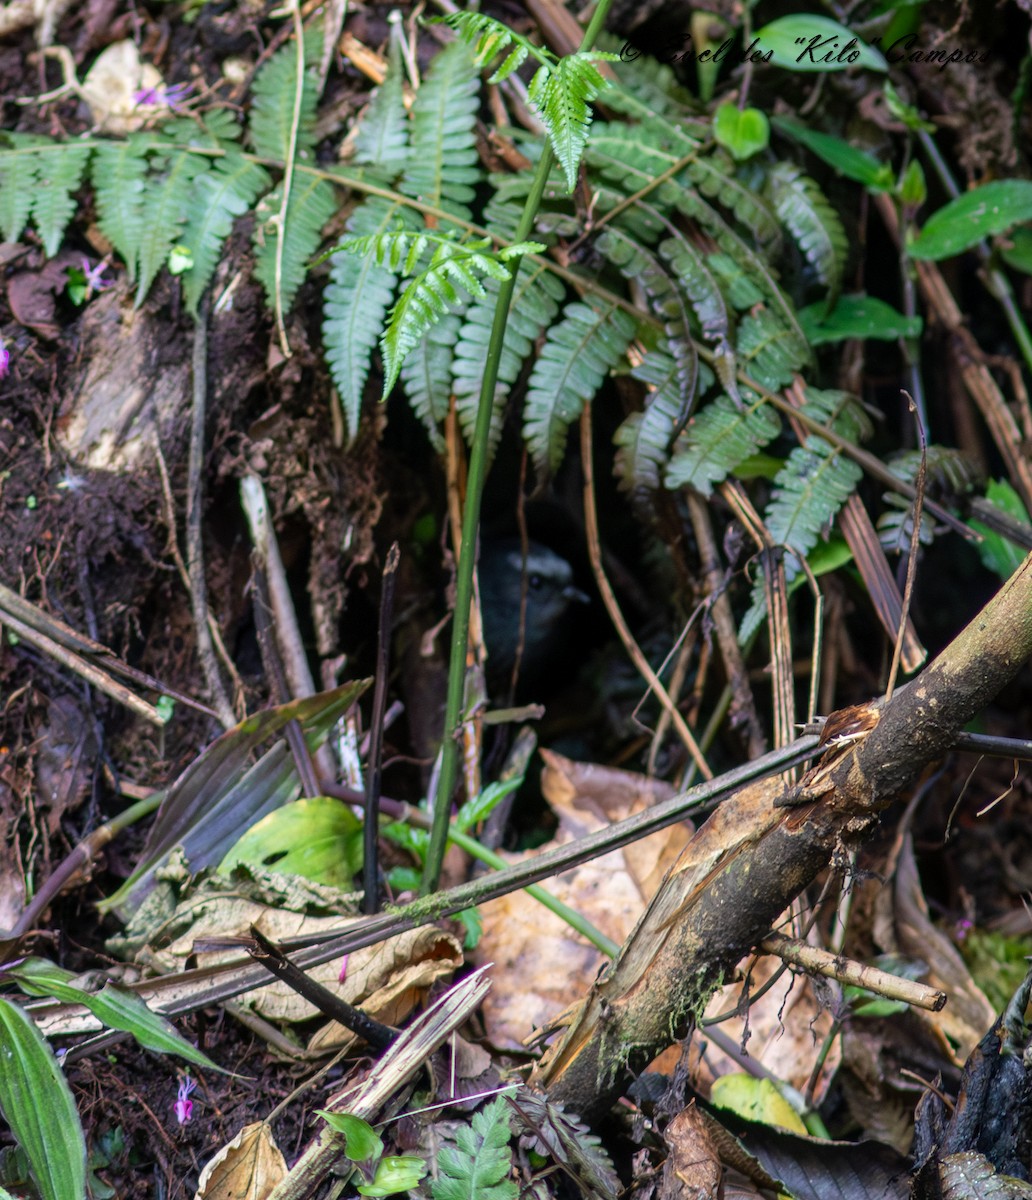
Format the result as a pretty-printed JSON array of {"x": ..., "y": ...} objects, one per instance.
[
  {"x": 758, "y": 270},
  {"x": 840, "y": 411},
  {"x": 427, "y": 376},
  {"x": 312, "y": 203},
  {"x": 735, "y": 282},
  {"x": 637, "y": 262},
  {"x": 644, "y": 438},
  {"x": 567, "y": 1140},
  {"x": 433, "y": 292},
  {"x": 218, "y": 196},
  {"x": 478, "y": 1166},
  {"x": 896, "y": 526},
  {"x": 274, "y": 95},
  {"x": 443, "y": 165},
  {"x": 382, "y": 139},
  {"x": 648, "y": 89},
  {"x": 60, "y": 168},
  {"x": 768, "y": 350},
  {"x": 814, "y": 225},
  {"x": 355, "y": 304},
  {"x": 809, "y": 490},
  {"x": 168, "y": 196},
  {"x": 562, "y": 97},
  {"x": 535, "y": 302},
  {"x": 119, "y": 172},
  {"x": 714, "y": 175},
  {"x": 19, "y": 163},
  {"x": 578, "y": 352},
  {"x": 816, "y": 480},
  {"x": 490, "y": 38},
  {"x": 720, "y": 437},
  {"x": 632, "y": 157}
]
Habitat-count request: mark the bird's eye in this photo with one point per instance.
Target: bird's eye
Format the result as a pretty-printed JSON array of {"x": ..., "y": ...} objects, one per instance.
[{"x": 535, "y": 582}]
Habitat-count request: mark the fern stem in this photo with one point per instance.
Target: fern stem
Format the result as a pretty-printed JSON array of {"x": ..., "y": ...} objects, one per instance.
[
  {"x": 280, "y": 219},
  {"x": 478, "y": 461}
]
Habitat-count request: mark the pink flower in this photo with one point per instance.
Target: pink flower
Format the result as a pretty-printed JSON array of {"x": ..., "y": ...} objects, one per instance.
[
  {"x": 184, "y": 1105},
  {"x": 343, "y": 968},
  {"x": 93, "y": 277},
  {"x": 168, "y": 95},
  {"x": 5, "y": 360}
]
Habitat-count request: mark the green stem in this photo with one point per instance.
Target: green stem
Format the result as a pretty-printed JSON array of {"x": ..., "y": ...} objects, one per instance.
[
  {"x": 471, "y": 515},
  {"x": 572, "y": 918}
]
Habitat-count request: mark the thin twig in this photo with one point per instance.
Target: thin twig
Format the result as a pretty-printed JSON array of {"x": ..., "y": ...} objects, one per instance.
[
  {"x": 272, "y": 664},
  {"x": 280, "y": 219},
  {"x": 374, "y": 767},
  {"x": 634, "y": 651},
  {"x": 816, "y": 961},
  {"x": 915, "y": 545},
  {"x": 194, "y": 514},
  {"x": 177, "y": 558}
]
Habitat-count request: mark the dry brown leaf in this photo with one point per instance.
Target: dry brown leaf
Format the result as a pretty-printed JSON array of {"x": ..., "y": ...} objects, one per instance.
[
  {"x": 387, "y": 979},
  {"x": 247, "y": 1168},
  {"x": 109, "y": 87},
  {"x": 540, "y": 964},
  {"x": 968, "y": 1015},
  {"x": 692, "y": 1170},
  {"x": 786, "y": 1027}
]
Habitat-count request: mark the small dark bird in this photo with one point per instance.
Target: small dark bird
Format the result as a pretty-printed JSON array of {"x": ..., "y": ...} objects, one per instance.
[{"x": 551, "y": 598}]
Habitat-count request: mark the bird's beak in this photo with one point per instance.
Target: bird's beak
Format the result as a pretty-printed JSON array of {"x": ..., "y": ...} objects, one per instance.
[{"x": 575, "y": 595}]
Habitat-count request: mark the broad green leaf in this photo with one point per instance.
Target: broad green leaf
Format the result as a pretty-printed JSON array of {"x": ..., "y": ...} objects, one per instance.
[
  {"x": 743, "y": 131},
  {"x": 984, "y": 211},
  {"x": 394, "y": 1174},
  {"x": 804, "y": 42},
  {"x": 319, "y": 838},
  {"x": 37, "y": 1104},
  {"x": 845, "y": 158},
  {"x": 362, "y": 1143},
  {"x": 1019, "y": 253},
  {"x": 117, "y": 1009},
  {"x": 857, "y": 316},
  {"x": 997, "y": 553},
  {"x": 756, "y": 1100}
]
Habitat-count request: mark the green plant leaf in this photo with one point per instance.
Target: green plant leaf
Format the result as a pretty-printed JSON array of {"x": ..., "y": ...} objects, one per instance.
[
  {"x": 984, "y": 211},
  {"x": 997, "y": 553},
  {"x": 61, "y": 168},
  {"x": 318, "y": 837},
  {"x": 847, "y": 159},
  {"x": 578, "y": 352},
  {"x": 812, "y": 222},
  {"x": 312, "y": 202},
  {"x": 857, "y": 316},
  {"x": 217, "y": 795},
  {"x": 1018, "y": 254},
  {"x": 741, "y": 131},
  {"x": 394, "y": 1174},
  {"x": 720, "y": 437},
  {"x": 37, "y": 1104},
  {"x": 442, "y": 163},
  {"x": 478, "y": 1166},
  {"x": 805, "y": 42},
  {"x": 116, "y": 1008},
  {"x": 217, "y": 197},
  {"x": 274, "y": 99},
  {"x": 562, "y": 96},
  {"x": 355, "y": 304},
  {"x": 362, "y": 1144},
  {"x": 119, "y": 172}
]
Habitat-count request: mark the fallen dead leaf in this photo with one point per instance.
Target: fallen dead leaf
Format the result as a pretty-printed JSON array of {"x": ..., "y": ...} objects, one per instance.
[
  {"x": 247, "y": 1168},
  {"x": 540, "y": 965}
]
